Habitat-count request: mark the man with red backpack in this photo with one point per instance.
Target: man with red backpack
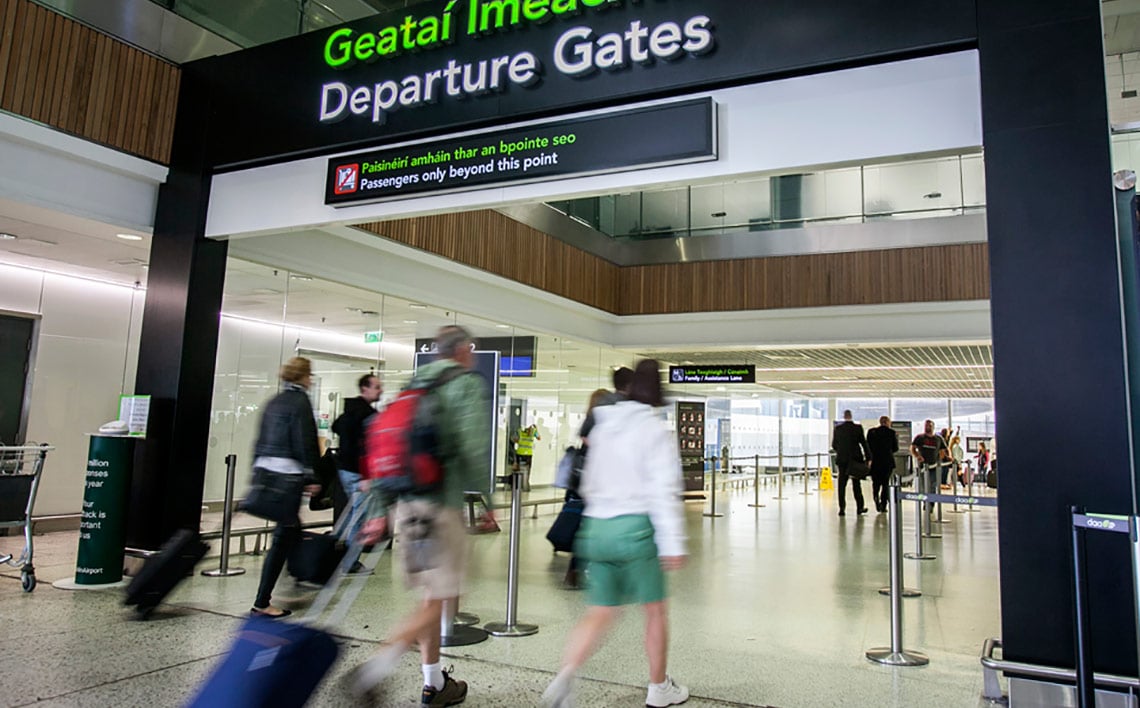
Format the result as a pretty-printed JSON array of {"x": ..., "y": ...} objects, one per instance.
[{"x": 425, "y": 450}]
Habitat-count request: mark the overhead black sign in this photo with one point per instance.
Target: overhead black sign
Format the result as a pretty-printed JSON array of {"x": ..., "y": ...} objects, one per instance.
[
  {"x": 517, "y": 354},
  {"x": 660, "y": 135},
  {"x": 436, "y": 67},
  {"x": 712, "y": 374}
]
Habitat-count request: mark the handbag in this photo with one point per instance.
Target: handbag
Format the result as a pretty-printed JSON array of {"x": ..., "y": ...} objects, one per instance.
[
  {"x": 274, "y": 496},
  {"x": 569, "y": 470},
  {"x": 561, "y": 534},
  {"x": 858, "y": 470}
]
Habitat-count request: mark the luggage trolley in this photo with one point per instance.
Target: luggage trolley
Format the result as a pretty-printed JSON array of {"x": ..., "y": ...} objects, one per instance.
[{"x": 20, "y": 470}]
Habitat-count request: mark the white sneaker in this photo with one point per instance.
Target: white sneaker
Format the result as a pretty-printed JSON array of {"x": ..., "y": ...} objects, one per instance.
[
  {"x": 669, "y": 693},
  {"x": 559, "y": 694}
]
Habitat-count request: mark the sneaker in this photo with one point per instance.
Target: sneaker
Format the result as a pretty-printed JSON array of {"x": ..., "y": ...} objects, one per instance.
[
  {"x": 669, "y": 693},
  {"x": 559, "y": 694},
  {"x": 453, "y": 692}
]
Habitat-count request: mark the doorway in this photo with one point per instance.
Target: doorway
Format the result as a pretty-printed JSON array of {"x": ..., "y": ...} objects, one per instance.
[{"x": 17, "y": 352}]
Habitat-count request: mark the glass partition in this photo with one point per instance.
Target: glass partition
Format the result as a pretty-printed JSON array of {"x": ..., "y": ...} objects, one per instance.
[{"x": 918, "y": 188}]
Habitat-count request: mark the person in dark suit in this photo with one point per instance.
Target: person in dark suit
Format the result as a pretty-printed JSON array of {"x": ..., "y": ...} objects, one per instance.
[
  {"x": 850, "y": 446},
  {"x": 883, "y": 443}
]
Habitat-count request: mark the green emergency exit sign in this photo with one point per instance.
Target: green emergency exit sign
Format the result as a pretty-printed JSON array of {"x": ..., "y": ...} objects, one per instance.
[{"x": 373, "y": 337}]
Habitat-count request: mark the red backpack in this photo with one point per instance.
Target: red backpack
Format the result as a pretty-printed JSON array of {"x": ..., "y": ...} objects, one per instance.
[{"x": 401, "y": 447}]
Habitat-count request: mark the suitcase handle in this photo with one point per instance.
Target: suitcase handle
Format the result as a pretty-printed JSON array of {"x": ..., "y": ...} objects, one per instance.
[{"x": 328, "y": 592}]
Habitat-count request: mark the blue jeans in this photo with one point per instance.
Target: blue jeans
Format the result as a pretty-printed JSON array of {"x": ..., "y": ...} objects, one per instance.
[{"x": 350, "y": 481}]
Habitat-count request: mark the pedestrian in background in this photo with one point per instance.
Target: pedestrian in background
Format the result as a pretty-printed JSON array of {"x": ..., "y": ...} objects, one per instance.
[
  {"x": 349, "y": 428},
  {"x": 633, "y": 529},
  {"x": 883, "y": 443},
  {"x": 850, "y": 447}
]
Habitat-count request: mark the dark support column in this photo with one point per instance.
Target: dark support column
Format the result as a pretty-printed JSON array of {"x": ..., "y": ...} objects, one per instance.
[
  {"x": 179, "y": 337},
  {"x": 1062, "y": 414}
]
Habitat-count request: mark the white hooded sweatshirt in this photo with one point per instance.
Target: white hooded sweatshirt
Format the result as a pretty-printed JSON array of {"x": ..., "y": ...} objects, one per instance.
[{"x": 633, "y": 467}]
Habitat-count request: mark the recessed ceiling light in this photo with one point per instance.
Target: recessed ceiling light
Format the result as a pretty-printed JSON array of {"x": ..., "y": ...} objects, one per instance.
[
  {"x": 503, "y": 326},
  {"x": 129, "y": 237},
  {"x": 355, "y": 310},
  {"x": 417, "y": 306},
  {"x": 411, "y": 321},
  {"x": 294, "y": 276},
  {"x": 7, "y": 237}
]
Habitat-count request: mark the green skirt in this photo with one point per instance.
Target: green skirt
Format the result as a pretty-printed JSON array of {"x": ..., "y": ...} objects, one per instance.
[{"x": 622, "y": 567}]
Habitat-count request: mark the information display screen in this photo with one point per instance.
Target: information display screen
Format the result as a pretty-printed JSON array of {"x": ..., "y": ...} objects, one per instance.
[
  {"x": 668, "y": 134},
  {"x": 712, "y": 374},
  {"x": 691, "y": 440}
]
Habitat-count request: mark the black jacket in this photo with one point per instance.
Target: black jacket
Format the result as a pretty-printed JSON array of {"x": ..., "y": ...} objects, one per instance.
[
  {"x": 288, "y": 429},
  {"x": 848, "y": 442},
  {"x": 883, "y": 442},
  {"x": 349, "y": 427}
]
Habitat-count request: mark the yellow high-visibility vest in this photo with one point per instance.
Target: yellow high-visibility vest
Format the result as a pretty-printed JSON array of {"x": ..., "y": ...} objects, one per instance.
[{"x": 526, "y": 442}]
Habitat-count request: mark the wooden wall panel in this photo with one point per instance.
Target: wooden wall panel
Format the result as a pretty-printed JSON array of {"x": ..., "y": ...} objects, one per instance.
[
  {"x": 492, "y": 242},
  {"x": 497, "y": 244},
  {"x": 931, "y": 274},
  {"x": 61, "y": 73}
]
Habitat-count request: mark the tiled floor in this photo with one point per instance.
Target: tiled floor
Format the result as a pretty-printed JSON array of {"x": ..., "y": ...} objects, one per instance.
[{"x": 776, "y": 607}]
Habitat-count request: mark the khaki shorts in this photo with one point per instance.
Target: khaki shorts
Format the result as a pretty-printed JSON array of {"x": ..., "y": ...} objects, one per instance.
[{"x": 432, "y": 548}]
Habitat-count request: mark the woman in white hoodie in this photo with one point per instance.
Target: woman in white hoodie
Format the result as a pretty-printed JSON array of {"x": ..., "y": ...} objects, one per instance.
[{"x": 633, "y": 529}]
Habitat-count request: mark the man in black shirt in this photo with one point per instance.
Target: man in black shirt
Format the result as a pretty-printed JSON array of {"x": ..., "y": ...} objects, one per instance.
[
  {"x": 850, "y": 446},
  {"x": 883, "y": 442},
  {"x": 927, "y": 449},
  {"x": 349, "y": 428}
]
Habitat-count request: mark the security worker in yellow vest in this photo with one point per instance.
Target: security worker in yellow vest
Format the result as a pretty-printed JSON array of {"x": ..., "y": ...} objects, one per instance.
[{"x": 524, "y": 452}]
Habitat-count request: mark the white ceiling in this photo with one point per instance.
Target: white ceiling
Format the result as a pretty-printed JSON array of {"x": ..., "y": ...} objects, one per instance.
[
  {"x": 62, "y": 243},
  {"x": 51, "y": 240}
]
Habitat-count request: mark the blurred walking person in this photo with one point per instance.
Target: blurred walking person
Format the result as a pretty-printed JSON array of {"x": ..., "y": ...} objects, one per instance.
[
  {"x": 633, "y": 529},
  {"x": 429, "y": 522},
  {"x": 287, "y": 445}
]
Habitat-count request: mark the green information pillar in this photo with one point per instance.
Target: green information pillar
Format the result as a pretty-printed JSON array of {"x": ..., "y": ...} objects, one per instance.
[{"x": 102, "y": 533}]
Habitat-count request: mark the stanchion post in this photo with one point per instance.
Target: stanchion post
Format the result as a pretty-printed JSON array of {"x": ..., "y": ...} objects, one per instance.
[
  {"x": 712, "y": 513},
  {"x": 920, "y": 514},
  {"x": 780, "y": 478},
  {"x": 805, "y": 492},
  {"x": 1086, "y": 686},
  {"x": 895, "y": 655},
  {"x": 938, "y": 488},
  {"x": 756, "y": 484},
  {"x": 453, "y": 633},
  {"x": 225, "y": 571},
  {"x": 511, "y": 628}
]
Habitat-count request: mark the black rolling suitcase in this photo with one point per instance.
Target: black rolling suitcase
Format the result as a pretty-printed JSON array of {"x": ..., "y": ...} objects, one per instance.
[
  {"x": 162, "y": 572},
  {"x": 315, "y": 557}
]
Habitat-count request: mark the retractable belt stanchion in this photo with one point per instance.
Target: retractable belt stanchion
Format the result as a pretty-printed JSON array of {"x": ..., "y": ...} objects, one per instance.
[
  {"x": 938, "y": 490},
  {"x": 780, "y": 479},
  {"x": 756, "y": 485},
  {"x": 895, "y": 508},
  {"x": 895, "y": 655},
  {"x": 225, "y": 571},
  {"x": 712, "y": 513},
  {"x": 805, "y": 492},
  {"x": 930, "y": 488},
  {"x": 453, "y": 633},
  {"x": 919, "y": 515},
  {"x": 511, "y": 627}
]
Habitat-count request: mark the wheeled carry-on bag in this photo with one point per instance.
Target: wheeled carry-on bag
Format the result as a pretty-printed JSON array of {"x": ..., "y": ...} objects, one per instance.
[
  {"x": 274, "y": 663},
  {"x": 163, "y": 571}
]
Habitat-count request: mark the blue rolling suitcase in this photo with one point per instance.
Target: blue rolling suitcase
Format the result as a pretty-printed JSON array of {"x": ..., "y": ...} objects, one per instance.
[{"x": 277, "y": 663}]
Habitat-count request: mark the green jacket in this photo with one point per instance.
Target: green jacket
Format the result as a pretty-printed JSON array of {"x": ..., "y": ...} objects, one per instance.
[{"x": 465, "y": 438}]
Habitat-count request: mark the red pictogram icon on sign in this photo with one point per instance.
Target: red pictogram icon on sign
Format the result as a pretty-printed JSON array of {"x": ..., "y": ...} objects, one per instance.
[{"x": 347, "y": 179}]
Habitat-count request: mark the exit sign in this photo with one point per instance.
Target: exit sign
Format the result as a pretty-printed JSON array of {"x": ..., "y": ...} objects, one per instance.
[{"x": 373, "y": 337}]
